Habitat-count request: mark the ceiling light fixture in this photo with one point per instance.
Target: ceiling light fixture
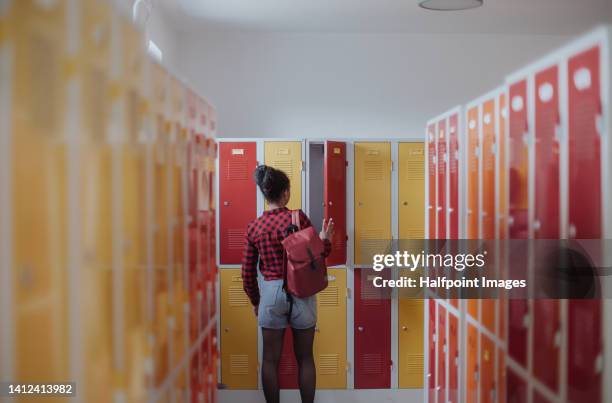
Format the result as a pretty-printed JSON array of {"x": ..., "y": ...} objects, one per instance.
[{"x": 450, "y": 5}]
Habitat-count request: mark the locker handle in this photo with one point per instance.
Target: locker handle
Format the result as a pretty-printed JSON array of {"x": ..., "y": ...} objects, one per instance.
[
  {"x": 226, "y": 203},
  {"x": 405, "y": 203},
  {"x": 404, "y": 328},
  {"x": 226, "y": 330},
  {"x": 360, "y": 328}
]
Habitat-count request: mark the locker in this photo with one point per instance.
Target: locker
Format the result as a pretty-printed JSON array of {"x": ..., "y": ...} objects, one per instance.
[
  {"x": 287, "y": 368},
  {"x": 502, "y": 165},
  {"x": 585, "y": 351},
  {"x": 287, "y": 156},
  {"x": 516, "y": 388},
  {"x": 410, "y": 343},
  {"x": 585, "y": 131},
  {"x": 502, "y": 309},
  {"x": 330, "y": 339},
  {"x": 488, "y": 307},
  {"x": 547, "y": 125},
  {"x": 472, "y": 368},
  {"x": 442, "y": 162},
  {"x": 501, "y": 376},
  {"x": 38, "y": 189},
  {"x": 238, "y": 334},
  {"x": 431, "y": 342},
  {"x": 488, "y": 394},
  {"x": 539, "y": 398},
  {"x": 372, "y": 200},
  {"x": 238, "y": 197},
  {"x": 518, "y": 144},
  {"x": 473, "y": 158},
  {"x": 453, "y": 176},
  {"x": 518, "y": 322},
  {"x": 335, "y": 198},
  {"x": 431, "y": 171},
  {"x": 488, "y": 169},
  {"x": 546, "y": 341},
  {"x": 372, "y": 334},
  {"x": 411, "y": 190},
  {"x": 442, "y": 354},
  {"x": 453, "y": 358}
]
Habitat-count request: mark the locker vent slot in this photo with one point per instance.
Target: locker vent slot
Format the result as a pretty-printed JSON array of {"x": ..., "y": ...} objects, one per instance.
[
  {"x": 337, "y": 167},
  {"x": 329, "y": 364},
  {"x": 415, "y": 233},
  {"x": 414, "y": 363},
  {"x": 329, "y": 297},
  {"x": 373, "y": 170},
  {"x": 415, "y": 170},
  {"x": 372, "y": 364},
  {"x": 237, "y": 296},
  {"x": 239, "y": 364},
  {"x": 284, "y": 165},
  {"x": 287, "y": 367},
  {"x": 237, "y": 169},
  {"x": 339, "y": 243},
  {"x": 235, "y": 239},
  {"x": 43, "y": 84}
]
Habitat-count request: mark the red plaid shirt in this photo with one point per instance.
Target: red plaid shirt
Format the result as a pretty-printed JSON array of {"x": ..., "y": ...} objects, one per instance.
[{"x": 263, "y": 244}]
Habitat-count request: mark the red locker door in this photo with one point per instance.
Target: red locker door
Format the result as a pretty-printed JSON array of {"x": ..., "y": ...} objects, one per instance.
[
  {"x": 488, "y": 169},
  {"x": 501, "y": 376},
  {"x": 546, "y": 341},
  {"x": 453, "y": 358},
  {"x": 518, "y": 161},
  {"x": 517, "y": 330},
  {"x": 516, "y": 388},
  {"x": 546, "y": 225},
  {"x": 431, "y": 206},
  {"x": 442, "y": 348},
  {"x": 502, "y": 161},
  {"x": 372, "y": 334},
  {"x": 453, "y": 171},
  {"x": 237, "y": 197},
  {"x": 538, "y": 398},
  {"x": 288, "y": 369},
  {"x": 472, "y": 370},
  {"x": 487, "y": 365},
  {"x": 335, "y": 198},
  {"x": 585, "y": 359},
  {"x": 431, "y": 376},
  {"x": 584, "y": 145},
  {"x": 441, "y": 162},
  {"x": 473, "y": 207}
]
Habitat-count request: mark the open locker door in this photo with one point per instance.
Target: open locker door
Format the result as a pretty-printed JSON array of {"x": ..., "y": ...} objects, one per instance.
[{"x": 335, "y": 198}]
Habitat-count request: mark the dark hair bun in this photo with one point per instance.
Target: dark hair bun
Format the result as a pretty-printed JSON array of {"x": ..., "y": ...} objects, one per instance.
[{"x": 271, "y": 181}]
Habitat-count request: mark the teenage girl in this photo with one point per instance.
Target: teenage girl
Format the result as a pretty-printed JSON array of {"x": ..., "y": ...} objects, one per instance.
[{"x": 271, "y": 303}]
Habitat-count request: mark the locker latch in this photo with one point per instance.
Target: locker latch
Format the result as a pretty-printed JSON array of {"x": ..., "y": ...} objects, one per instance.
[{"x": 303, "y": 166}]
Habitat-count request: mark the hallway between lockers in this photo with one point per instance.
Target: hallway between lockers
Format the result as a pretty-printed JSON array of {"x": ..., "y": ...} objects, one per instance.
[{"x": 125, "y": 195}]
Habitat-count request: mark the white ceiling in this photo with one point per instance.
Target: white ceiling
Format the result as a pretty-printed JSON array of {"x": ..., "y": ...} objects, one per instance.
[{"x": 558, "y": 17}]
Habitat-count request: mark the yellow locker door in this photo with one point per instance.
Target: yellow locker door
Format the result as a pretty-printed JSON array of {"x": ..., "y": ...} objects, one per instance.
[
  {"x": 411, "y": 190},
  {"x": 372, "y": 200},
  {"x": 39, "y": 190},
  {"x": 287, "y": 156},
  {"x": 238, "y": 334},
  {"x": 330, "y": 337},
  {"x": 411, "y": 343}
]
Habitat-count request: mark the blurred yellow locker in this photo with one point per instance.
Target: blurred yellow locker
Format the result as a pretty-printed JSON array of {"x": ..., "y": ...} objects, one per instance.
[
  {"x": 238, "y": 334},
  {"x": 411, "y": 190},
  {"x": 330, "y": 337},
  {"x": 372, "y": 200},
  {"x": 287, "y": 156},
  {"x": 410, "y": 340},
  {"x": 96, "y": 201},
  {"x": 39, "y": 190}
]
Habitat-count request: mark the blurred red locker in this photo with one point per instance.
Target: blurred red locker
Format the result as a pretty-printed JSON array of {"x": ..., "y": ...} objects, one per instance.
[
  {"x": 487, "y": 370},
  {"x": 453, "y": 358},
  {"x": 516, "y": 388},
  {"x": 441, "y": 185},
  {"x": 442, "y": 349},
  {"x": 473, "y": 177},
  {"x": 237, "y": 197},
  {"x": 453, "y": 171},
  {"x": 488, "y": 169},
  {"x": 431, "y": 168},
  {"x": 335, "y": 198},
  {"x": 546, "y": 342},
  {"x": 518, "y": 311},
  {"x": 431, "y": 340},
  {"x": 372, "y": 334}
]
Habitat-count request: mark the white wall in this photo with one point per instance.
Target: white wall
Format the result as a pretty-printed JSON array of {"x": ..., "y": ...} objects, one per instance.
[
  {"x": 345, "y": 85},
  {"x": 161, "y": 31}
]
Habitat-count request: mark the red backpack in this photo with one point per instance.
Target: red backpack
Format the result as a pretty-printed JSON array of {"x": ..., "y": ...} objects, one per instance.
[{"x": 305, "y": 272}]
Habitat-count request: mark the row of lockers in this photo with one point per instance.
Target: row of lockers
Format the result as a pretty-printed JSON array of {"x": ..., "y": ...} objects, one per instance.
[
  {"x": 371, "y": 338},
  {"x": 530, "y": 160},
  {"x": 324, "y": 165},
  {"x": 107, "y": 213}
]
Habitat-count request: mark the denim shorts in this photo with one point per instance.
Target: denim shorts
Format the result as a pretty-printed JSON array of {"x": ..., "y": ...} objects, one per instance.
[{"x": 273, "y": 310}]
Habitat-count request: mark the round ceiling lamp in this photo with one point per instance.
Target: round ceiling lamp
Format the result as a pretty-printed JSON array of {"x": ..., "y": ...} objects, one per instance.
[{"x": 450, "y": 5}]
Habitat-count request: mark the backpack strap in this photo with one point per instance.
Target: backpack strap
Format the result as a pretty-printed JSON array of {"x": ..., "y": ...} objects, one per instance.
[{"x": 295, "y": 218}]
